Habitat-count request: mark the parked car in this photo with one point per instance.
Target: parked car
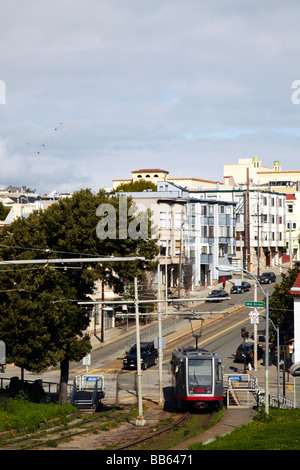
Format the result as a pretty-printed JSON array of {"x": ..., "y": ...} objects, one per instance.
[
  {"x": 261, "y": 339},
  {"x": 217, "y": 295},
  {"x": 149, "y": 355},
  {"x": 244, "y": 287},
  {"x": 247, "y": 349},
  {"x": 267, "y": 278}
]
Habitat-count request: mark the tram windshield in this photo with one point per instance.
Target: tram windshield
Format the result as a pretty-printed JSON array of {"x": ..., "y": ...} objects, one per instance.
[{"x": 200, "y": 372}]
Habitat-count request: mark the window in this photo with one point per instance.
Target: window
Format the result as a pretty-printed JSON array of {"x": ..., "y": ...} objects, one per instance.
[
  {"x": 199, "y": 372},
  {"x": 177, "y": 222},
  {"x": 163, "y": 220},
  {"x": 222, "y": 250},
  {"x": 204, "y": 231},
  {"x": 290, "y": 208},
  {"x": 163, "y": 248}
]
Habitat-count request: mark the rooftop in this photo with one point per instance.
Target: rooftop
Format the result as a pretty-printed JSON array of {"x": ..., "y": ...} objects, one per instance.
[{"x": 295, "y": 290}]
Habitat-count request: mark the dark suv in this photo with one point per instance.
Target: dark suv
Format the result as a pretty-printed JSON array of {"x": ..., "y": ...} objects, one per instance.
[
  {"x": 267, "y": 278},
  {"x": 149, "y": 356},
  {"x": 247, "y": 349}
]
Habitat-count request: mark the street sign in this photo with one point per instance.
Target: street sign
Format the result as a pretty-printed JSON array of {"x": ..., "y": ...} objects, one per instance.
[
  {"x": 254, "y": 317},
  {"x": 92, "y": 378},
  {"x": 255, "y": 304},
  {"x": 86, "y": 360}
]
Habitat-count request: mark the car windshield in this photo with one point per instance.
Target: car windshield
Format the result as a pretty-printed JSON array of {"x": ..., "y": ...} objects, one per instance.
[
  {"x": 133, "y": 349},
  {"x": 199, "y": 372},
  {"x": 247, "y": 346}
]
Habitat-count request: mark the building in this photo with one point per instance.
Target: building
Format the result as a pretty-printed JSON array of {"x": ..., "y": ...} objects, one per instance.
[
  {"x": 260, "y": 226},
  {"x": 272, "y": 179},
  {"x": 195, "y": 235},
  {"x": 157, "y": 175},
  {"x": 262, "y": 176},
  {"x": 292, "y": 227}
]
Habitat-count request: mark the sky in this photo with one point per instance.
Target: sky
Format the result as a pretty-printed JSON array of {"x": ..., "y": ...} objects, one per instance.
[{"x": 91, "y": 90}]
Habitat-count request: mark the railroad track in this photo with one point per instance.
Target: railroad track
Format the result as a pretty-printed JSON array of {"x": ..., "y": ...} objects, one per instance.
[
  {"x": 176, "y": 423},
  {"x": 64, "y": 433}
]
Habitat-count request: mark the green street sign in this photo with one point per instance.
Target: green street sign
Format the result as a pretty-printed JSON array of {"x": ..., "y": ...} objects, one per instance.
[{"x": 255, "y": 304}]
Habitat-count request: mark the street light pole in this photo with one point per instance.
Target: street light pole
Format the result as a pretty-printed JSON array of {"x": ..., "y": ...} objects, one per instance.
[{"x": 140, "y": 420}]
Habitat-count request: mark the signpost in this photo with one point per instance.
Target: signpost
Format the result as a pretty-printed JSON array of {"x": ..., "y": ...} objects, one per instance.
[
  {"x": 254, "y": 317},
  {"x": 255, "y": 304}
]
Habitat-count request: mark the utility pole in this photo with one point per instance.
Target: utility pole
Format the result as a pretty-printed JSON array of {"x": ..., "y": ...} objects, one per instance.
[
  {"x": 160, "y": 353},
  {"x": 140, "y": 420},
  {"x": 258, "y": 234},
  {"x": 248, "y": 224}
]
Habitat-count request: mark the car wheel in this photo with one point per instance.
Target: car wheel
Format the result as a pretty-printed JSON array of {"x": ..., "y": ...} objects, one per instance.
[{"x": 145, "y": 366}]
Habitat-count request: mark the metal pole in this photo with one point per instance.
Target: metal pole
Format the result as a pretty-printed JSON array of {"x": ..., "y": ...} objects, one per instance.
[
  {"x": 140, "y": 420},
  {"x": 278, "y": 367},
  {"x": 267, "y": 356},
  {"x": 255, "y": 331},
  {"x": 160, "y": 353}
]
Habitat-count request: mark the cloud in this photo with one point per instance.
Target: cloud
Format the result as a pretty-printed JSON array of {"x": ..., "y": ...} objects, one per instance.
[{"x": 137, "y": 84}]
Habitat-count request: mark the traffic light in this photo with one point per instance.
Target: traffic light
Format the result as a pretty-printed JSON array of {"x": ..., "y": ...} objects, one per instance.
[{"x": 244, "y": 333}]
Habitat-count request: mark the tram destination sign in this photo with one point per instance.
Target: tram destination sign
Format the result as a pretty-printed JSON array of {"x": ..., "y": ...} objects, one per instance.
[{"x": 255, "y": 304}]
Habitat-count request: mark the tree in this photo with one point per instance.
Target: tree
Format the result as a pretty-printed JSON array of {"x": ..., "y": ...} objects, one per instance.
[
  {"x": 3, "y": 211},
  {"x": 138, "y": 185},
  {"x": 281, "y": 303},
  {"x": 40, "y": 319}
]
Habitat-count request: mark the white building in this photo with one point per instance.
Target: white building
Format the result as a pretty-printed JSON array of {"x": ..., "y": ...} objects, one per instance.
[
  {"x": 261, "y": 235},
  {"x": 195, "y": 235}
]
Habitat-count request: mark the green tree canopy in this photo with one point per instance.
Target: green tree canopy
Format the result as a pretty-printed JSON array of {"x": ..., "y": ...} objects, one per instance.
[
  {"x": 3, "y": 211},
  {"x": 40, "y": 319},
  {"x": 138, "y": 185},
  {"x": 282, "y": 303}
]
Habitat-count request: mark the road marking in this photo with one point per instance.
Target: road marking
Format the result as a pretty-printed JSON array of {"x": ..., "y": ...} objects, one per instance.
[{"x": 220, "y": 333}]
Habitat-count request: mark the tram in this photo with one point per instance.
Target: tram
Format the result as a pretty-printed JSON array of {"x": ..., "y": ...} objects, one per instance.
[{"x": 197, "y": 378}]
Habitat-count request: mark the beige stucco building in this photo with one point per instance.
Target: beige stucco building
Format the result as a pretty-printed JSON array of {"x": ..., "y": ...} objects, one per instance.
[
  {"x": 155, "y": 175},
  {"x": 262, "y": 176}
]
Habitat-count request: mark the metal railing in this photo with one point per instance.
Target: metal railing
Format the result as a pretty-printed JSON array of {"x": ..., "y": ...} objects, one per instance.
[{"x": 49, "y": 387}]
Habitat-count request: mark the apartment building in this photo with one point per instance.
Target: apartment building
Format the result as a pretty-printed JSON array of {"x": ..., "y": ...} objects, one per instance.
[
  {"x": 155, "y": 175},
  {"x": 292, "y": 227},
  {"x": 263, "y": 176},
  {"x": 195, "y": 235},
  {"x": 260, "y": 226}
]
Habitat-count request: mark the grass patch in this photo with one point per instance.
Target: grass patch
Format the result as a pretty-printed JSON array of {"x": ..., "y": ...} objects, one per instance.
[
  {"x": 279, "y": 430},
  {"x": 19, "y": 414}
]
